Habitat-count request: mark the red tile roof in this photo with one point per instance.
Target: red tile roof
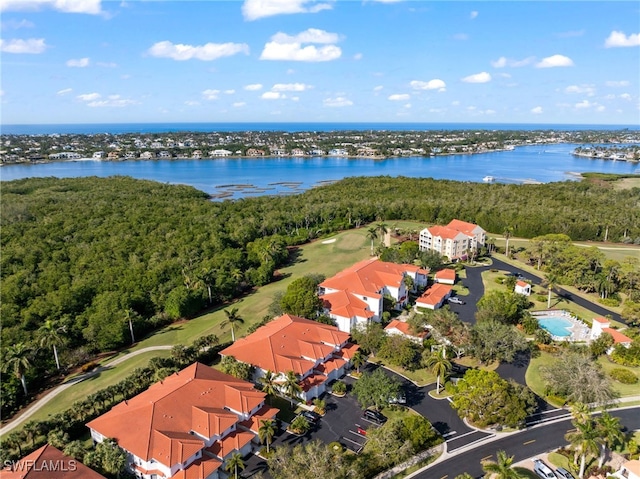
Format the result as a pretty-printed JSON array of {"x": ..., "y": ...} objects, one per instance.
[
  {"x": 444, "y": 232},
  {"x": 233, "y": 442},
  {"x": 199, "y": 468},
  {"x": 157, "y": 423},
  {"x": 264, "y": 413},
  {"x": 369, "y": 277},
  {"x": 404, "y": 328},
  {"x": 48, "y": 462},
  {"x": 311, "y": 381},
  {"x": 446, "y": 274},
  {"x": 347, "y": 305},
  {"x": 618, "y": 337},
  {"x": 463, "y": 226},
  {"x": 601, "y": 320},
  {"x": 288, "y": 343},
  {"x": 434, "y": 295},
  {"x": 522, "y": 284}
]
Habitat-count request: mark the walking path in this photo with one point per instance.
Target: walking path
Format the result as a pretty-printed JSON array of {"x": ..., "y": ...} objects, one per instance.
[{"x": 37, "y": 405}]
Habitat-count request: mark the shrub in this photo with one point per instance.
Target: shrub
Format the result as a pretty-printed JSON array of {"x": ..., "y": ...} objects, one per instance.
[
  {"x": 335, "y": 446},
  {"x": 541, "y": 298},
  {"x": 339, "y": 388},
  {"x": 89, "y": 367},
  {"x": 609, "y": 301},
  {"x": 624, "y": 376}
]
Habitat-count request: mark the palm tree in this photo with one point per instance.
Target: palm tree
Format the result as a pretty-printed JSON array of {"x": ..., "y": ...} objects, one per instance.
[
  {"x": 502, "y": 468},
  {"x": 51, "y": 335},
  {"x": 291, "y": 386},
  {"x": 580, "y": 412},
  {"x": 129, "y": 314},
  {"x": 551, "y": 280},
  {"x": 383, "y": 230},
  {"x": 439, "y": 365},
  {"x": 233, "y": 317},
  {"x": 17, "y": 359},
  {"x": 358, "y": 360},
  {"x": 508, "y": 231},
  {"x": 14, "y": 441},
  {"x": 234, "y": 463},
  {"x": 372, "y": 234},
  {"x": 610, "y": 434},
  {"x": 266, "y": 431},
  {"x": 268, "y": 382},
  {"x": 585, "y": 440}
]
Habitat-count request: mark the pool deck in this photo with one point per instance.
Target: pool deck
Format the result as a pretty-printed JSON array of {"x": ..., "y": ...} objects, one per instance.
[{"x": 580, "y": 332}]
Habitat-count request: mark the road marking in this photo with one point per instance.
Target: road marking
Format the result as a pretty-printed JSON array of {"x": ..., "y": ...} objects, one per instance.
[
  {"x": 463, "y": 435},
  {"x": 445, "y": 476},
  {"x": 450, "y": 433},
  {"x": 486, "y": 458},
  {"x": 354, "y": 442},
  {"x": 529, "y": 442}
]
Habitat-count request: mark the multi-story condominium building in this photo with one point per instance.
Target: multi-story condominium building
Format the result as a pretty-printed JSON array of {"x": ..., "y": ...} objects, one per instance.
[
  {"x": 355, "y": 295},
  {"x": 454, "y": 241},
  {"x": 187, "y": 425}
]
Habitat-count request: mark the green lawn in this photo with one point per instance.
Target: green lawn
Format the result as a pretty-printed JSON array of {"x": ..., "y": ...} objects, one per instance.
[
  {"x": 536, "y": 384},
  {"x": 102, "y": 380},
  {"x": 421, "y": 377}
]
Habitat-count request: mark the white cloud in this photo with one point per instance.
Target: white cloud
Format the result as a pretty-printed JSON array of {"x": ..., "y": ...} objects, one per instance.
[
  {"x": 473, "y": 15},
  {"x": 399, "y": 97},
  {"x": 206, "y": 52},
  {"x": 295, "y": 98},
  {"x": 337, "y": 102},
  {"x": 112, "y": 101},
  {"x": 210, "y": 94},
  {"x": 482, "y": 77},
  {"x": 288, "y": 47},
  {"x": 435, "y": 84},
  {"x": 461, "y": 36},
  {"x": 407, "y": 105},
  {"x": 489, "y": 112},
  {"x": 239, "y": 104},
  {"x": 16, "y": 25},
  {"x": 588, "y": 90},
  {"x": 584, "y": 104},
  {"x": 64, "y": 91},
  {"x": 625, "y": 96},
  {"x": 89, "y": 96},
  {"x": 437, "y": 110},
  {"x": 600, "y": 108},
  {"x": 290, "y": 87},
  {"x": 555, "y": 61},
  {"x": 504, "y": 75},
  {"x": 536, "y": 110},
  {"x": 229, "y": 92},
  {"x": 455, "y": 102},
  {"x": 357, "y": 56},
  {"x": 311, "y": 35},
  {"x": 253, "y": 87},
  {"x": 510, "y": 62},
  {"x": 31, "y": 45},
  {"x": 78, "y": 63},
  {"x": 107, "y": 64},
  {"x": 192, "y": 103},
  {"x": 617, "y": 84},
  {"x": 273, "y": 95},
  {"x": 255, "y": 9},
  {"x": 378, "y": 88},
  {"x": 619, "y": 39},
  {"x": 67, "y": 6}
]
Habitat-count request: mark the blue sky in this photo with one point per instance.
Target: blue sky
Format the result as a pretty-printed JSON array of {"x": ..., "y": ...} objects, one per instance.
[{"x": 92, "y": 61}]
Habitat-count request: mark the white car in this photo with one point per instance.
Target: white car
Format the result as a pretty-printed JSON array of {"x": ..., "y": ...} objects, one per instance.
[
  {"x": 455, "y": 300},
  {"x": 542, "y": 470}
]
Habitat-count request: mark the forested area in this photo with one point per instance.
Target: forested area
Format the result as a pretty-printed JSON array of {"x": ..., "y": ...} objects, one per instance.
[{"x": 89, "y": 262}]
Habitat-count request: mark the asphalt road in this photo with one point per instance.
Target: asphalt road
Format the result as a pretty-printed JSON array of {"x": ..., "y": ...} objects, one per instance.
[{"x": 522, "y": 445}]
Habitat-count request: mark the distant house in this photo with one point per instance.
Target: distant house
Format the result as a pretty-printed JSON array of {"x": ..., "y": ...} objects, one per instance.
[
  {"x": 186, "y": 426},
  {"x": 255, "y": 152},
  {"x": 355, "y": 295},
  {"x": 98, "y": 155},
  {"x": 47, "y": 462},
  {"x": 522, "y": 287},
  {"x": 454, "y": 240},
  {"x": 445, "y": 276},
  {"x": 147, "y": 155},
  {"x": 113, "y": 155},
  {"x": 603, "y": 325},
  {"x": 434, "y": 297},
  {"x": 402, "y": 328},
  {"x": 338, "y": 152},
  {"x": 317, "y": 353},
  {"x": 219, "y": 153},
  {"x": 297, "y": 152},
  {"x": 629, "y": 470}
]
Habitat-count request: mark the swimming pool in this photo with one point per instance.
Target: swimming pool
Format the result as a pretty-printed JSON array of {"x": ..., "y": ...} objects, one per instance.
[{"x": 556, "y": 325}]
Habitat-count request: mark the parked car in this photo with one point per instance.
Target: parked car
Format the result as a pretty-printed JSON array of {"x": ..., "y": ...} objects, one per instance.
[
  {"x": 562, "y": 473},
  {"x": 456, "y": 300},
  {"x": 459, "y": 369},
  {"x": 542, "y": 470},
  {"x": 374, "y": 416},
  {"x": 399, "y": 399},
  {"x": 311, "y": 416}
]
